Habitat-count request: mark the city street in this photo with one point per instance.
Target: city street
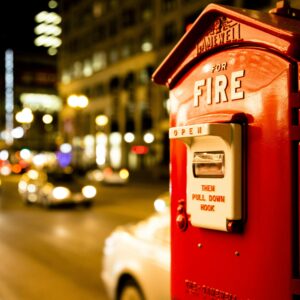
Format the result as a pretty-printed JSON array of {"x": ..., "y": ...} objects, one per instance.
[{"x": 56, "y": 253}]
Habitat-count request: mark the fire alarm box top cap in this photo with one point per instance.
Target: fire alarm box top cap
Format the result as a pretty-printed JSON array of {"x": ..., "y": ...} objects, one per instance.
[{"x": 219, "y": 27}]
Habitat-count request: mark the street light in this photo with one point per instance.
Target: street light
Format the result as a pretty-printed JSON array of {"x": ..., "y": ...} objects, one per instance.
[
  {"x": 47, "y": 119},
  {"x": 48, "y": 31},
  {"x": 78, "y": 101},
  {"x": 25, "y": 116},
  {"x": 149, "y": 138},
  {"x": 101, "y": 140},
  {"x": 101, "y": 120}
]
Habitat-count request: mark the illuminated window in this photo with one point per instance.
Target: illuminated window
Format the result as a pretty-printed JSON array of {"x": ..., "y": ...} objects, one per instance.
[
  {"x": 99, "y": 61},
  {"x": 77, "y": 69},
  {"x": 87, "y": 68},
  {"x": 113, "y": 55},
  {"x": 115, "y": 139},
  {"x": 126, "y": 50},
  {"x": 89, "y": 147},
  {"x": 145, "y": 75},
  {"x": 101, "y": 148},
  {"x": 98, "y": 9},
  {"x": 66, "y": 77},
  {"x": 147, "y": 10},
  {"x": 147, "y": 45}
]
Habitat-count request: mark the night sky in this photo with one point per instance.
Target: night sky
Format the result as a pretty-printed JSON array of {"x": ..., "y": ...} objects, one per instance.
[{"x": 17, "y": 23}]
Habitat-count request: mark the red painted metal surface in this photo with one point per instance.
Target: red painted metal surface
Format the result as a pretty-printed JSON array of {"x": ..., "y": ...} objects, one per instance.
[{"x": 258, "y": 263}]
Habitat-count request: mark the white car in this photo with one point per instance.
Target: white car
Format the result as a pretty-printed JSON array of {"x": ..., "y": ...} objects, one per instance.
[
  {"x": 109, "y": 176},
  {"x": 136, "y": 260},
  {"x": 55, "y": 188}
]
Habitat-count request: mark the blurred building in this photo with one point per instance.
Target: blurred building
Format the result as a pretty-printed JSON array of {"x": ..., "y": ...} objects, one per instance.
[
  {"x": 28, "y": 80},
  {"x": 110, "y": 49}
]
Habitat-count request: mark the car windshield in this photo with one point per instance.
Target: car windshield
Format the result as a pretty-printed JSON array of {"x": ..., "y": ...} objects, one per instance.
[{"x": 61, "y": 177}]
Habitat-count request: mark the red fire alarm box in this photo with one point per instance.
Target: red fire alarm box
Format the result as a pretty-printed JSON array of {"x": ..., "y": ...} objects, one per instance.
[
  {"x": 234, "y": 150},
  {"x": 213, "y": 183}
]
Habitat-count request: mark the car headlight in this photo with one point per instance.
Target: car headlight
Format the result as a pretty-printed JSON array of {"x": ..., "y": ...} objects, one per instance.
[
  {"x": 61, "y": 193},
  {"x": 124, "y": 174},
  {"x": 22, "y": 186},
  {"x": 89, "y": 191},
  {"x": 33, "y": 174},
  {"x": 160, "y": 205},
  {"x": 31, "y": 188}
]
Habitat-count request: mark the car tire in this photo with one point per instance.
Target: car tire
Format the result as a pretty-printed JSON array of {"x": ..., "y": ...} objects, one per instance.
[{"x": 130, "y": 291}]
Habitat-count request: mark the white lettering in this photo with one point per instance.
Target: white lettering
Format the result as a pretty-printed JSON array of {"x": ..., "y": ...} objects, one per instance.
[
  {"x": 216, "y": 88},
  {"x": 186, "y": 131},
  {"x": 221, "y": 84},
  {"x": 219, "y": 67},
  {"x": 236, "y": 84},
  {"x": 208, "y": 93},
  {"x": 198, "y": 91}
]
